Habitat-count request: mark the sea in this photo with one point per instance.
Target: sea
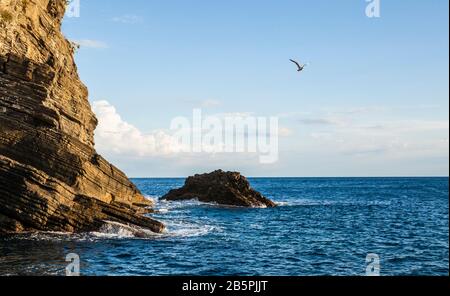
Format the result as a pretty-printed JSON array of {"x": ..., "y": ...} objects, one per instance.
[{"x": 321, "y": 226}]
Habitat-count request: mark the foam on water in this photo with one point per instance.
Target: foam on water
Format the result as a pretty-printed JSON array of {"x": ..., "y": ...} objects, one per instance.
[
  {"x": 151, "y": 198},
  {"x": 114, "y": 230},
  {"x": 43, "y": 236},
  {"x": 117, "y": 230},
  {"x": 183, "y": 229},
  {"x": 162, "y": 211},
  {"x": 181, "y": 204},
  {"x": 163, "y": 206}
]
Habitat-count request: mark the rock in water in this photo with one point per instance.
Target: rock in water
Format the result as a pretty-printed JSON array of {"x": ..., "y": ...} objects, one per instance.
[
  {"x": 225, "y": 188},
  {"x": 51, "y": 178}
]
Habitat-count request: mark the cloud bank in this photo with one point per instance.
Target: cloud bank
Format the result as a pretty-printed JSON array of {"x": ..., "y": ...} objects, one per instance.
[
  {"x": 115, "y": 135},
  {"x": 319, "y": 144}
]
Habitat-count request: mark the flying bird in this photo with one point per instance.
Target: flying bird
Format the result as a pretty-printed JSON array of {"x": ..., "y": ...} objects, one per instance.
[{"x": 299, "y": 66}]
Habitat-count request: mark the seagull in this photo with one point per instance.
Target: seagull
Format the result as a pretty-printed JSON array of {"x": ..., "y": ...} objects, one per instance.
[{"x": 300, "y": 67}]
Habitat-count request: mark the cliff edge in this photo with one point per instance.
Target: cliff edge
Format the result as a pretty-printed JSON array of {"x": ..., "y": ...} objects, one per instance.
[{"x": 51, "y": 177}]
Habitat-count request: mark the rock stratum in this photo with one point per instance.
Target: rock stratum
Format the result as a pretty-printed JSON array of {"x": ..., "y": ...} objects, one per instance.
[
  {"x": 51, "y": 178},
  {"x": 225, "y": 188}
]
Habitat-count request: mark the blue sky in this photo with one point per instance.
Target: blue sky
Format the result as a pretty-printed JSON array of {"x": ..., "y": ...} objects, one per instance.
[{"x": 373, "y": 100}]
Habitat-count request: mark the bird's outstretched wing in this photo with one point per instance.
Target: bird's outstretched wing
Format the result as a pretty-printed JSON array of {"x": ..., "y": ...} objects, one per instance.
[{"x": 298, "y": 65}]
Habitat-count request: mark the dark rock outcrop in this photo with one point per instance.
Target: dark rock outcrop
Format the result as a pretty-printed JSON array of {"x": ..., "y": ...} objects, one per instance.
[
  {"x": 51, "y": 177},
  {"x": 225, "y": 188}
]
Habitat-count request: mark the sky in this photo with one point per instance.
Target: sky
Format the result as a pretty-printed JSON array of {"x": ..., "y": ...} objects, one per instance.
[{"x": 372, "y": 101}]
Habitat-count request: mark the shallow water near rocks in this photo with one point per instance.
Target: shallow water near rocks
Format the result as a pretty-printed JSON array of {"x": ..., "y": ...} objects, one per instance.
[{"x": 322, "y": 226}]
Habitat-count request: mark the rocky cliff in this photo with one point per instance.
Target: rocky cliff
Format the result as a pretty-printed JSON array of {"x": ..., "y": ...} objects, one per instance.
[{"x": 51, "y": 177}]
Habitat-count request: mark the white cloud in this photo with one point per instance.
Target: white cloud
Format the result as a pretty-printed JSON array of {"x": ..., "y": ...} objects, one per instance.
[
  {"x": 329, "y": 144},
  {"x": 361, "y": 110},
  {"x": 128, "y": 19},
  {"x": 115, "y": 135},
  {"x": 399, "y": 138},
  {"x": 88, "y": 43},
  {"x": 321, "y": 121}
]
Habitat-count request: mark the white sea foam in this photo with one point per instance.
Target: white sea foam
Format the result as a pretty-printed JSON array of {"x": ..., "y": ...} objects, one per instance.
[
  {"x": 256, "y": 226},
  {"x": 180, "y": 204},
  {"x": 45, "y": 235},
  {"x": 282, "y": 203},
  {"x": 185, "y": 229},
  {"x": 151, "y": 198},
  {"x": 164, "y": 206},
  {"x": 118, "y": 230},
  {"x": 298, "y": 202},
  {"x": 114, "y": 230}
]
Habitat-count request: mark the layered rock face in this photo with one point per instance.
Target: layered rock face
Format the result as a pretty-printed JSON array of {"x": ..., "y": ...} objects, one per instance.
[
  {"x": 225, "y": 188},
  {"x": 51, "y": 177}
]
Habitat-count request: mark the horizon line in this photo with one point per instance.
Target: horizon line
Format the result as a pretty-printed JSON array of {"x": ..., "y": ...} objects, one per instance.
[{"x": 303, "y": 177}]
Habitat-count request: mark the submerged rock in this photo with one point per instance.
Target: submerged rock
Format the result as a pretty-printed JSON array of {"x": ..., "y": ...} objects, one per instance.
[
  {"x": 51, "y": 177},
  {"x": 225, "y": 188}
]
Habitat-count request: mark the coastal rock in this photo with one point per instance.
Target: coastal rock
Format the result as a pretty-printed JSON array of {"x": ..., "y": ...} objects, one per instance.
[
  {"x": 51, "y": 177},
  {"x": 225, "y": 188}
]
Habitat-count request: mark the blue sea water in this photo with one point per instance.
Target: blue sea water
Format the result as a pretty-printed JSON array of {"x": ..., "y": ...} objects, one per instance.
[{"x": 322, "y": 226}]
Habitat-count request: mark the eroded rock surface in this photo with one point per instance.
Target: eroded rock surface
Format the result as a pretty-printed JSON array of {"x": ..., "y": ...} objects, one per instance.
[
  {"x": 225, "y": 188},
  {"x": 51, "y": 177}
]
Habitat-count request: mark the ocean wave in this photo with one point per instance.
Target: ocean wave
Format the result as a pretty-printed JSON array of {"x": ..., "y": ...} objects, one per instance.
[
  {"x": 118, "y": 230},
  {"x": 164, "y": 206},
  {"x": 300, "y": 202},
  {"x": 152, "y": 198},
  {"x": 115, "y": 230},
  {"x": 110, "y": 230},
  {"x": 162, "y": 211},
  {"x": 188, "y": 229},
  {"x": 42, "y": 236}
]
